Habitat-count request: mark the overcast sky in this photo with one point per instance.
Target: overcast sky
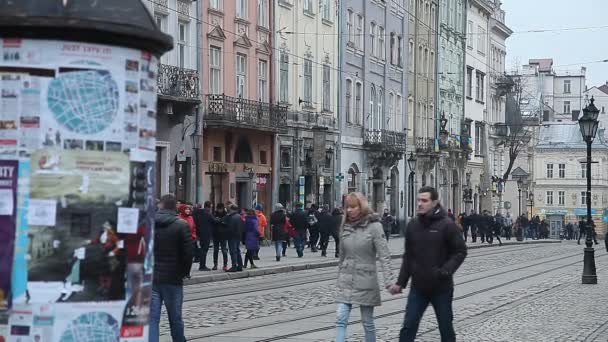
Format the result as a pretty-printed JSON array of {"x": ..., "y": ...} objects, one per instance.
[{"x": 565, "y": 47}]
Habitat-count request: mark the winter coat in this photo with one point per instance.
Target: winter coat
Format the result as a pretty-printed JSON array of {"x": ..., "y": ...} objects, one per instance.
[
  {"x": 325, "y": 222},
  {"x": 205, "y": 223},
  {"x": 252, "y": 234},
  {"x": 277, "y": 225},
  {"x": 387, "y": 223},
  {"x": 434, "y": 249},
  {"x": 189, "y": 219},
  {"x": 299, "y": 220},
  {"x": 262, "y": 223},
  {"x": 361, "y": 244},
  {"x": 234, "y": 226},
  {"x": 173, "y": 248}
]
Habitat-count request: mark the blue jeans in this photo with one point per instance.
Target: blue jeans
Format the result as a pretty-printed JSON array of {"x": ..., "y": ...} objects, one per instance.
[
  {"x": 173, "y": 297},
  {"x": 417, "y": 302},
  {"x": 278, "y": 246},
  {"x": 367, "y": 319},
  {"x": 300, "y": 241},
  {"x": 235, "y": 253}
]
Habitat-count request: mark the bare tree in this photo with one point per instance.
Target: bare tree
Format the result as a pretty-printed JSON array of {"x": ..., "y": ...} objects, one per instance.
[{"x": 516, "y": 131}]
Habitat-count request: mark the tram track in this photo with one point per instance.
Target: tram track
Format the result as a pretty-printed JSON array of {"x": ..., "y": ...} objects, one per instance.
[
  {"x": 328, "y": 312},
  {"x": 300, "y": 280}
]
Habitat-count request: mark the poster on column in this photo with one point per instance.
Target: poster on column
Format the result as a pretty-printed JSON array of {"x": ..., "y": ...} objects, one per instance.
[
  {"x": 74, "y": 114},
  {"x": 8, "y": 205}
]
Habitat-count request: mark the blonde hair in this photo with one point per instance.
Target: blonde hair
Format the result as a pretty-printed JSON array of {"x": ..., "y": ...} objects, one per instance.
[{"x": 363, "y": 204}]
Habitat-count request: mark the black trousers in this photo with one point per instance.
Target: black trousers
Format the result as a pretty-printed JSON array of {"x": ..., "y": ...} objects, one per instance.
[
  {"x": 249, "y": 256},
  {"x": 202, "y": 256},
  {"x": 325, "y": 240},
  {"x": 216, "y": 248},
  {"x": 314, "y": 237}
]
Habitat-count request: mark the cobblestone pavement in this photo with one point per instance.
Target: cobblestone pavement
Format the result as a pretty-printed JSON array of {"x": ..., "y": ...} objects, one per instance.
[
  {"x": 556, "y": 309},
  {"x": 315, "y": 289}
]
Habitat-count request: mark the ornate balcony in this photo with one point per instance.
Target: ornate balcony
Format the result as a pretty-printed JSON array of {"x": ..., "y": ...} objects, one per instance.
[
  {"x": 425, "y": 145},
  {"x": 387, "y": 147},
  {"x": 310, "y": 120},
  {"x": 385, "y": 140},
  {"x": 178, "y": 84},
  {"x": 225, "y": 111}
]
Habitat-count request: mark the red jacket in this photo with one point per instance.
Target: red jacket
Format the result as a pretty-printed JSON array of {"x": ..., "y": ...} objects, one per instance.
[{"x": 188, "y": 218}]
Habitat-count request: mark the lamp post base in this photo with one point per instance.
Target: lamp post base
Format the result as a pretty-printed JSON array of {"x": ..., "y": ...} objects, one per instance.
[{"x": 589, "y": 274}]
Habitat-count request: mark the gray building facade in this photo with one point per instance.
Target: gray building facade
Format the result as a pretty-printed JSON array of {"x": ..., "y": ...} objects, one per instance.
[{"x": 372, "y": 93}]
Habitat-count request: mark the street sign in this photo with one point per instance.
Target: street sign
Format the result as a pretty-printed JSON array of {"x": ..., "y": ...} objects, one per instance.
[
  {"x": 302, "y": 180},
  {"x": 340, "y": 177}
]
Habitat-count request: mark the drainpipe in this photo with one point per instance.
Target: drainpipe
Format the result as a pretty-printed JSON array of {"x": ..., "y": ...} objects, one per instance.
[
  {"x": 198, "y": 128},
  {"x": 340, "y": 102}
]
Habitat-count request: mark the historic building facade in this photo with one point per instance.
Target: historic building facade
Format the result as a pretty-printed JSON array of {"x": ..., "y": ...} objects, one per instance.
[
  {"x": 454, "y": 131},
  {"x": 179, "y": 75},
  {"x": 306, "y": 75},
  {"x": 373, "y": 86},
  {"x": 241, "y": 118},
  {"x": 422, "y": 95}
]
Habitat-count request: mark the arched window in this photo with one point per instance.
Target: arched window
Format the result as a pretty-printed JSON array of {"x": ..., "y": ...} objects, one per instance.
[
  {"x": 349, "y": 108},
  {"x": 352, "y": 178},
  {"x": 243, "y": 152},
  {"x": 380, "y": 112},
  {"x": 372, "y": 106}
]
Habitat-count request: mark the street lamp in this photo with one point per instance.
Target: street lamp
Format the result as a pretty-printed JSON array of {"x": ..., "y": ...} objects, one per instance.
[
  {"x": 588, "y": 124},
  {"x": 531, "y": 203},
  {"x": 443, "y": 133},
  {"x": 195, "y": 140},
  {"x": 520, "y": 184},
  {"x": 411, "y": 162}
]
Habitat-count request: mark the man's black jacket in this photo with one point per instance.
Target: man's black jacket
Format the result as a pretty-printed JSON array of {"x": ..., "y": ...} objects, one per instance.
[{"x": 434, "y": 249}]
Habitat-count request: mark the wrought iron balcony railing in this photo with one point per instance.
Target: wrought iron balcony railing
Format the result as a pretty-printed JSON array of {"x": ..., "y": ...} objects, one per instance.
[
  {"x": 227, "y": 111},
  {"x": 385, "y": 139},
  {"x": 178, "y": 82},
  {"x": 425, "y": 145}
]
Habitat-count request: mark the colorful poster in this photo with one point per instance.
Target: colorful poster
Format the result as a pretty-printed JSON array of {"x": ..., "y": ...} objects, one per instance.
[
  {"x": 75, "y": 115},
  {"x": 8, "y": 205}
]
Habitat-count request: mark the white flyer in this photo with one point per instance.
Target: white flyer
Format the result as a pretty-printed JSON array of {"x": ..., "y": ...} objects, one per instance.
[
  {"x": 7, "y": 204},
  {"x": 128, "y": 218},
  {"x": 42, "y": 212}
]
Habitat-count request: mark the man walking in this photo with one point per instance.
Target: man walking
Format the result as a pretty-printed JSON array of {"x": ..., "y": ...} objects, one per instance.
[
  {"x": 205, "y": 222},
  {"x": 299, "y": 220},
  {"x": 173, "y": 252},
  {"x": 234, "y": 229},
  {"x": 434, "y": 249}
]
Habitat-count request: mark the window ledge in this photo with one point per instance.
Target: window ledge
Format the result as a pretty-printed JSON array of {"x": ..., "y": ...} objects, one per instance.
[
  {"x": 309, "y": 14},
  {"x": 327, "y": 22},
  {"x": 239, "y": 20},
  {"x": 216, "y": 11},
  {"x": 359, "y": 53},
  {"x": 480, "y": 102},
  {"x": 469, "y": 98},
  {"x": 263, "y": 29},
  {"x": 285, "y": 4}
]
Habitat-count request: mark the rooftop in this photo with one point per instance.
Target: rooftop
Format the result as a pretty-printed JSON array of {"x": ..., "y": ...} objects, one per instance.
[{"x": 567, "y": 136}]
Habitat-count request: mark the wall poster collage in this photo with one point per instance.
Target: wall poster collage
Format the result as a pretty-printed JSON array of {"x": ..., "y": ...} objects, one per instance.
[{"x": 77, "y": 172}]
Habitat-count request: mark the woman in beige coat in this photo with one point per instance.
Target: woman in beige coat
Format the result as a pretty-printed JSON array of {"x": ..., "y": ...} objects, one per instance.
[{"x": 362, "y": 241}]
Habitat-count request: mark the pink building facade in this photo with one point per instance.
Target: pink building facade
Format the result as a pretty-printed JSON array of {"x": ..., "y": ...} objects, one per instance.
[{"x": 240, "y": 121}]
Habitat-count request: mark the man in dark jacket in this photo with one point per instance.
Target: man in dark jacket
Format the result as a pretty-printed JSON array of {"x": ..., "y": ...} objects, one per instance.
[
  {"x": 234, "y": 230},
  {"x": 325, "y": 227},
  {"x": 278, "y": 219},
  {"x": 434, "y": 249},
  {"x": 173, "y": 253},
  {"x": 205, "y": 222},
  {"x": 219, "y": 237},
  {"x": 299, "y": 220}
]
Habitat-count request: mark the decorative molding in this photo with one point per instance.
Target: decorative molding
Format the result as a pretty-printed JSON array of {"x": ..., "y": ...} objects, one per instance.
[
  {"x": 161, "y": 5},
  {"x": 183, "y": 7}
]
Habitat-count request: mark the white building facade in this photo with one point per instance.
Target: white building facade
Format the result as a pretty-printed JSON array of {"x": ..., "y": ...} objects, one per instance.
[{"x": 306, "y": 76}]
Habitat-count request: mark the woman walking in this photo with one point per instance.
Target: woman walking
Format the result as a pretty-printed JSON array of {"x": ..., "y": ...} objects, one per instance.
[
  {"x": 252, "y": 236},
  {"x": 362, "y": 240}
]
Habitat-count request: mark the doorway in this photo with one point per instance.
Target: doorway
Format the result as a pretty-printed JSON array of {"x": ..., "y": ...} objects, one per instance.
[
  {"x": 555, "y": 226},
  {"x": 242, "y": 194}
]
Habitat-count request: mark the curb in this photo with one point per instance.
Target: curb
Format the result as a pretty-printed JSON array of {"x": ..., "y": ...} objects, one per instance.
[{"x": 309, "y": 266}]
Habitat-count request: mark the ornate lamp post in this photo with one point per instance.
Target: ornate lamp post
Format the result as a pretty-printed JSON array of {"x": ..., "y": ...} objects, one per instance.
[
  {"x": 195, "y": 140},
  {"x": 411, "y": 163},
  {"x": 443, "y": 133},
  {"x": 588, "y": 124}
]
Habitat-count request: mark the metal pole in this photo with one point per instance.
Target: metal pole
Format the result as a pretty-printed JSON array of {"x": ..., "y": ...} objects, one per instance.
[
  {"x": 519, "y": 207},
  {"x": 589, "y": 273}
]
